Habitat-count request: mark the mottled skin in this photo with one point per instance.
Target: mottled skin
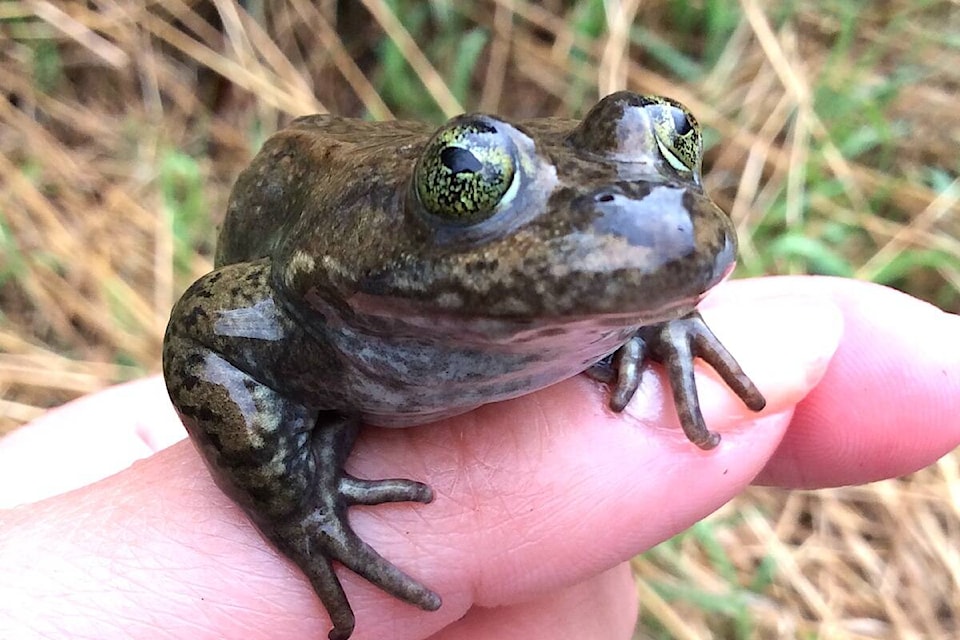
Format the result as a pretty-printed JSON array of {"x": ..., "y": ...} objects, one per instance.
[{"x": 378, "y": 273}]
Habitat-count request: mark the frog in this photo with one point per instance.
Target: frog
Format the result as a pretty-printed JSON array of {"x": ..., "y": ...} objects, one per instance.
[{"x": 395, "y": 274}]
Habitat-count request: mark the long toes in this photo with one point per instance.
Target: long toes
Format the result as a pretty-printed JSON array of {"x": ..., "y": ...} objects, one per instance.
[
  {"x": 361, "y": 558},
  {"x": 328, "y": 587},
  {"x": 371, "y": 492},
  {"x": 628, "y": 360},
  {"x": 687, "y": 401},
  {"x": 717, "y": 356}
]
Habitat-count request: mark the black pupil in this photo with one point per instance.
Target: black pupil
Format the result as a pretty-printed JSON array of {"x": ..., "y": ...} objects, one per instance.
[
  {"x": 680, "y": 121},
  {"x": 459, "y": 160}
]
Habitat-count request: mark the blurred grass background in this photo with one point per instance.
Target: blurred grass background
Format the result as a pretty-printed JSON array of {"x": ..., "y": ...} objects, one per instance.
[{"x": 832, "y": 133}]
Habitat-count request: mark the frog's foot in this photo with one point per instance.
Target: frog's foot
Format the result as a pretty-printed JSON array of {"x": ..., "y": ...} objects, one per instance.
[
  {"x": 319, "y": 532},
  {"x": 675, "y": 344}
]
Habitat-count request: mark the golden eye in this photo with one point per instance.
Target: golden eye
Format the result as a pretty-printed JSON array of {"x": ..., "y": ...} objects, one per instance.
[
  {"x": 466, "y": 170},
  {"x": 677, "y": 133},
  {"x": 629, "y": 127}
]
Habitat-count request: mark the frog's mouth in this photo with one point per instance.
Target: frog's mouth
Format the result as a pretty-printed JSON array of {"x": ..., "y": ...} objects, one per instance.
[{"x": 412, "y": 319}]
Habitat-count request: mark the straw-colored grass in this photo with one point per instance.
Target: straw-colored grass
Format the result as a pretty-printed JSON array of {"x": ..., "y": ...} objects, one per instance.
[{"x": 833, "y": 131}]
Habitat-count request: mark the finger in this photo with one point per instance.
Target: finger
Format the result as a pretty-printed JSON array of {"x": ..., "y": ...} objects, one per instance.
[
  {"x": 536, "y": 494},
  {"x": 555, "y": 487},
  {"x": 148, "y": 548},
  {"x": 601, "y": 608},
  {"x": 889, "y": 402},
  {"x": 86, "y": 440}
]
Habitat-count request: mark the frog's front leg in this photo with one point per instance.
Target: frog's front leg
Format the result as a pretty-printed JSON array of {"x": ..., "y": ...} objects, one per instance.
[
  {"x": 676, "y": 343},
  {"x": 281, "y": 460}
]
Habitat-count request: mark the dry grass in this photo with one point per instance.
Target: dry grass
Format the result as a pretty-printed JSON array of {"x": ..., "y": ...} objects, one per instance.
[{"x": 835, "y": 137}]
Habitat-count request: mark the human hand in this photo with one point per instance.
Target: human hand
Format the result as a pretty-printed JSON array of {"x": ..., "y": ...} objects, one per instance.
[{"x": 539, "y": 501}]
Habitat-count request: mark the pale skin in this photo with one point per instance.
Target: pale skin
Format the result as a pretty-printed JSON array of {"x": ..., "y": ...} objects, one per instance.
[{"x": 539, "y": 502}]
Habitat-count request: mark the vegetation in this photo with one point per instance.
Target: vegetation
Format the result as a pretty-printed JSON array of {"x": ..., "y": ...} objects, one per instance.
[{"x": 832, "y": 141}]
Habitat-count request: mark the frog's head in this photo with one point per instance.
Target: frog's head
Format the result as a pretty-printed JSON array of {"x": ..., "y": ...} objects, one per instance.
[{"x": 554, "y": 220}]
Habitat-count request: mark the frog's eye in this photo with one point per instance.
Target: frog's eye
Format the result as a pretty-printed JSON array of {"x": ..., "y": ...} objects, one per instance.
[
  {"x": 632, "y": 128},
  {"x": 466, "y": 170},
  {"x": 677, "y": 134}
]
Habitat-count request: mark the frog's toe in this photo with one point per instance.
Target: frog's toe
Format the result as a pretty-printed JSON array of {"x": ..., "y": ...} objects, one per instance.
[
  {"x": 370, "y": 492},
  {"x": 628, "y": 360},
  {"x": 317, "y": 532},
  {"x": 355, "y": 554},
  {"x": 327, "y": 586},
  {"x": 676, "y": 343},
  {"x": 320, "y": 534},
  {"x": 622, "y": 370}
]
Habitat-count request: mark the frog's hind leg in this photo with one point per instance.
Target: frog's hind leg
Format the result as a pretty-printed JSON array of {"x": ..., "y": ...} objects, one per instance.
[
  {"x": 283, "y": 463},
  {"x": 323, "y": 519}
]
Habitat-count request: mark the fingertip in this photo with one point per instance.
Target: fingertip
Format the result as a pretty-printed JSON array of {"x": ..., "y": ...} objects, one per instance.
[
  {"x": 784, "y": 342},
  {"x": 886, "y": 404}
]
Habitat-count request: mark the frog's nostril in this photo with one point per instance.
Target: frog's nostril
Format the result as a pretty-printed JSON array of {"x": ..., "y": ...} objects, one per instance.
[{"x": 598, "y": 200}]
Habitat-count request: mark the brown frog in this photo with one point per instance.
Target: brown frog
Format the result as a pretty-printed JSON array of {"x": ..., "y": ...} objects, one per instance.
[{"x": 390, "y": 274}]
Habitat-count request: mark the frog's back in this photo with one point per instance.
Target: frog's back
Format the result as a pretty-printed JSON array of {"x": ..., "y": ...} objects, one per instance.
[{"x": 270, "y": 195}]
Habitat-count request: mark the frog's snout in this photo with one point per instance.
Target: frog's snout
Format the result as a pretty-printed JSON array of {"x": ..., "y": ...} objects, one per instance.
[
  {"x": 664, "y": 240},
  {"x": 653, "y": 218}
]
